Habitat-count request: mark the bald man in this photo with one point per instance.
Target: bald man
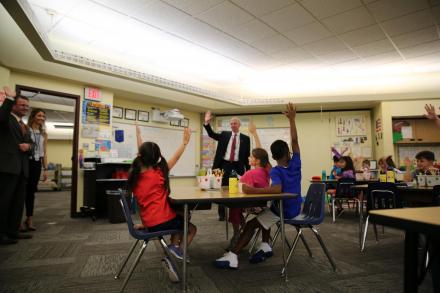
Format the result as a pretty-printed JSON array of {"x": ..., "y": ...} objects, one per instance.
[{"x": 233, "y": 151}]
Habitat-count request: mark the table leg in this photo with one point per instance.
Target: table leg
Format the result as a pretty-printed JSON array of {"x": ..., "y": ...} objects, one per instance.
[
  {"x": 361, "y": 216},
  {"x": 283, "y": 238},
  {"x": 411, "y": 261},
  {"x": 185, "y": 246}
]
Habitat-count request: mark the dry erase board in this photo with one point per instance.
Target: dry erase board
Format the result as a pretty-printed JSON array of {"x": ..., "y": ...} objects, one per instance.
[{"x": 167, "y": 139}]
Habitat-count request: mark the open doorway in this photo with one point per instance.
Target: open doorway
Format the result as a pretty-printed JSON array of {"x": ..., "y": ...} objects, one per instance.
[{"x": 62, "y": 127}]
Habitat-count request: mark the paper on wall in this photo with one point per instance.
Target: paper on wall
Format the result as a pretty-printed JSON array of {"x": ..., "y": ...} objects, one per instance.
[
  {"x": 366, "y": 152},
  {"x": 407, "y": 132}
]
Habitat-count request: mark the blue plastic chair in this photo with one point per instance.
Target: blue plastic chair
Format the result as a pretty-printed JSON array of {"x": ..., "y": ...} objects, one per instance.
[
  {"x": 140, "y": 235},
  {"x": 312, "y": 214}
]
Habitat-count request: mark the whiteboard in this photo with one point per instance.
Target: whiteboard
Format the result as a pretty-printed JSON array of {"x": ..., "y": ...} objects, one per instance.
[
  {"x": 269, "y": 135},
  {"x": 168, "y": 141}
]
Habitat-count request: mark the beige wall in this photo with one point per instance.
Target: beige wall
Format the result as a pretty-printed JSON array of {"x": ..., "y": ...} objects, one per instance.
[
  {"x": 4, "y": 76},
  {"x": 194, "y": 124},
  {"x": 60, "y": 152}
]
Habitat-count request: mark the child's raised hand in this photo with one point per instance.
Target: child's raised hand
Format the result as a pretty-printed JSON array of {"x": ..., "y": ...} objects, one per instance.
[
  {"x": 252, "y": 128},
  {"x": 407, "y": 162},
  {"x": 186, "y": 135},
  {"x": 430, "y": 112},
  {"x": 290, "y": 111}
]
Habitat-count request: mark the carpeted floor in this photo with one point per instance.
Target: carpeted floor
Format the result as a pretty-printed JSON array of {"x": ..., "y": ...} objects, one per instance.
[{"x": 78, "y": 255}]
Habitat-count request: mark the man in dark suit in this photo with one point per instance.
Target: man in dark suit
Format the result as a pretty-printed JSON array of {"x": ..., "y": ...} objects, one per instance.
[
  {"x": 15, "y": 148},
  {"x": 233, "y": 151}
]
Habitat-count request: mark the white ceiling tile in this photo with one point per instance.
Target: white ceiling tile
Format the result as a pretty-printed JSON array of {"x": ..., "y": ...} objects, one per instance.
[
  {"x": 252, "y": 31},
  {"x": 374, "y": 48},
  {"x": 384, "y": 58},
  {"x": 274, "y": 44},
  {"x": 325, "y": 46},
  {"x": 363, "y": 35},
  {"x": 292, "y": 55},
  {"x": 425, "y": 59},
  {"x": 262, "y": 7},
  {"x": 126, "y": 6},
  {"x": 409, "y": 23},
  {"x": 420, "y": 50},
  {"x": 288, "y": 18},
  {"x": 60, "y": 7},
  {"x": 308, "y": 33},
  {"x": 388, "y": 9},
  {"x": 338, "y": 57},
  {"x": 415, "y": 38},
  {"x": 74, "y": 31},
  {"x": 193, "y": 7},
  {"x": 45, "y": 22},
  {"x": 225, "y": 15},
  {"x": 350, "y": 20},
  {"x": 322, "y": 8},
  {"x": 162, "y": 16}
]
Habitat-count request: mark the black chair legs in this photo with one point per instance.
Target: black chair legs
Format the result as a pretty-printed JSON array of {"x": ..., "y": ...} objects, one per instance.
[
  {"x": 133, "y": 266},
  {"x": 327, "y": 253},
  {"x": 124, "y": 263}
]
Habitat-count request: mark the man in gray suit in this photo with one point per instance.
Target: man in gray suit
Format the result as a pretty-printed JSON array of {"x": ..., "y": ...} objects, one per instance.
[{"x": 15, "y": 148}]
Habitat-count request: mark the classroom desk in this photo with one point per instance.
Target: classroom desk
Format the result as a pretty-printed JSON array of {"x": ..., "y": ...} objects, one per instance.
[
  {"x": 413, "y": 221},
  {"x": 190, "y": 195}
]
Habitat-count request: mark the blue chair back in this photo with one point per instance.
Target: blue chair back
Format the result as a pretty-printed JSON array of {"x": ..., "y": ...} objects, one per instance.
[{"x": 138, "y": 234}]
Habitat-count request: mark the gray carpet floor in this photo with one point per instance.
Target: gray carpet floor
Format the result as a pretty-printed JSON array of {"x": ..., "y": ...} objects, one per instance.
[{"x": 79, "y": 255}]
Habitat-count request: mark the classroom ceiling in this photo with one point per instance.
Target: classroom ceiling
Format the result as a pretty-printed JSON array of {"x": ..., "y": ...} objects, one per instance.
[{"x": 250, "y": 53}]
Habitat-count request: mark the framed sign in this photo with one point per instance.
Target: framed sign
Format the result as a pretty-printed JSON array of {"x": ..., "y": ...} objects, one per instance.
[
  {"x": 143, "y": 116},
  {"x": 117, "y": 112},
  {"x": 130, "y": 114},
  {"x": 174, "y": 122},
  {"x": 184, "y": 122}
]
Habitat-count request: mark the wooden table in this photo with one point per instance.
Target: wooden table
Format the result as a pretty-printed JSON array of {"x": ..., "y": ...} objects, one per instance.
[
  {"x": 190, "y": 195},
  {"x": 413, "y": 221}
]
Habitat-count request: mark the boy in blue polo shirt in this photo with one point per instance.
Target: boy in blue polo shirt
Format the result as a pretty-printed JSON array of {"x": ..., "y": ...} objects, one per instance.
[{"x": 286, "y": 177}]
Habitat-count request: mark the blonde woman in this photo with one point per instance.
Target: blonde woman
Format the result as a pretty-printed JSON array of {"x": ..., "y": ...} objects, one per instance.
[{"x": 37, "y": 162}]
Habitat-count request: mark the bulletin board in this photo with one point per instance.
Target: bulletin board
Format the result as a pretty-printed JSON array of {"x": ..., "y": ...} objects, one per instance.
[
  {"x": 167, "y": 139},
  {"x": 351, "y": 125}
]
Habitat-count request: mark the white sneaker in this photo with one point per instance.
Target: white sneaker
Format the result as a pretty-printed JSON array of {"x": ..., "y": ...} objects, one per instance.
[
  {"x": 171, "y": 271},
  {"x": 228, "y": 261}
]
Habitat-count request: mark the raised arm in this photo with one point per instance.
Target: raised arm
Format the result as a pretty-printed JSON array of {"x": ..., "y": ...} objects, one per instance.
[
  {"x": 254, "y": 133},
  {"x": 430, "y": 114},
  {"x": 138, "y": 136},
  {"x": 186, "y": 137},
  {"x": 291, "y": 115},
  {"x": 7, "y": 97},
  {"x": 207, "y": 125}
]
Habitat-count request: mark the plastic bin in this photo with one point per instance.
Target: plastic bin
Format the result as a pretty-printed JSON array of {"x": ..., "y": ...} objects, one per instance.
[{"x": 114, "y": 209}]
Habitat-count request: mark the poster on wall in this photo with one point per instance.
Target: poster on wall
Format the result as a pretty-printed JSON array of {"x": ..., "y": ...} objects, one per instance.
[
  {"x": 351, "y": 125},
  {"x": 95, "y": 113}
]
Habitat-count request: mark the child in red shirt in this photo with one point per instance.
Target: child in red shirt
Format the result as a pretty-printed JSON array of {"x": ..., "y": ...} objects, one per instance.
[{"x": 150, "y": 184}]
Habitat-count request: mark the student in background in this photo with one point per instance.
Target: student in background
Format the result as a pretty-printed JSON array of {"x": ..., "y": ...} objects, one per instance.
[
  {"x": 286, "y": 177},
  {"x": 387, "y": 164},
  {"x": 366, "y": 169},
  {"x": 149, "y": 181},
  {"x": 425, "y": 165},
  {"x": 347, "y": 172},
  {"x": 337, "y": 165},
  {"x": 37, "y": 161},
  {"x": 258, "y": 177}
]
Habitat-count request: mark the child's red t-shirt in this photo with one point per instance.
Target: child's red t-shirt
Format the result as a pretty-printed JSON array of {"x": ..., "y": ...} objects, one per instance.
[{"x": 152, "y": 198}]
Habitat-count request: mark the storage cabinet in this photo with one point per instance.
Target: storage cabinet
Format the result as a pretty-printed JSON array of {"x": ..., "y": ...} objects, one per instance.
[{"x": 423, "y": 131}]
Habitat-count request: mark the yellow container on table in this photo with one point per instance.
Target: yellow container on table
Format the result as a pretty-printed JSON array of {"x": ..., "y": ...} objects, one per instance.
[
  {"x": 390, "y": 176},
  {"x": 383, "y": 177},
  {"x": 233, "y": 185}
]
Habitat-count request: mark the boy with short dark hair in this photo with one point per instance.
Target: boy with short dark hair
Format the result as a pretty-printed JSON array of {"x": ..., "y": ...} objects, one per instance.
[
  {"x": 286, "y": 177},
  {"x": 425, "y": 165}
]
